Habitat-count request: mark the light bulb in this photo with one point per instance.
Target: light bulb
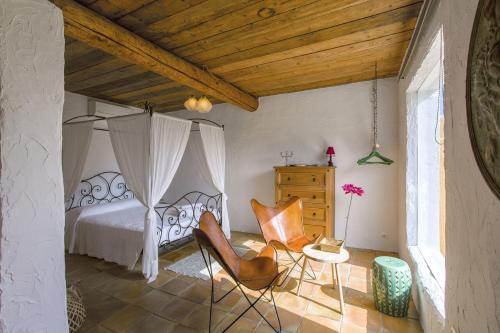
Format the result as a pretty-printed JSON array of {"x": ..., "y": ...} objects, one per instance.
[
  {"x": 203, "y": 105},
  {"x": 191, "y": 103}
]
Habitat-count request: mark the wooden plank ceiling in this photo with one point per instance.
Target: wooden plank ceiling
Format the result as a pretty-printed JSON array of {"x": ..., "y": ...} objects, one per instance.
[{"x": 263, "y": 47}]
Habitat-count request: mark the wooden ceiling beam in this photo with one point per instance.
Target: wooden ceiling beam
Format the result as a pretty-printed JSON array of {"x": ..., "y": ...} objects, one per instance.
[
  {"x": 114, "y": 9},
  {"x": 153, "y": 98},
  {"x": 155, "y": 11},
  {"x": 129, "y": 77},
  {"x": 128, "y": 83},
  {"x": 321, "y": 74},
  {"x": 311, "y": 18},
  {"x": 97, "y": 31},
  {"x": 91, "y": 72},
  {"x": 150, "y": 91},
  {"x": 104, "y": 78},
  {"x": 74, "y": 48},
  {"x": 398, "y": 20},
  {"x": 388, "y": 68},
  {"x": 177, "y": 94},
  {"x": 255, "y": 12},
  {"x": 381, "y": 48},
  {"x": 326, "y": 75},
  {"x": 341, "y": 80},
  {"x": 92, "y": 58},
  {"x": 141, "y": 83},
  {"x": 202, "y": 12}
]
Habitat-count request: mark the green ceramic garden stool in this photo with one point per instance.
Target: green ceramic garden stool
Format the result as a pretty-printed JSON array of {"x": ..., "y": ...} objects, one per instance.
[{"x": 391, "y": 286}]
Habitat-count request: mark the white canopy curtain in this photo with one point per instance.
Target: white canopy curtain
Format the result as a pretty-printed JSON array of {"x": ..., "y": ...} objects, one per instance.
[
  {"x": 214, "y": 146},
  {"x": 75, "y": 148},
  {"x": 148, "y": 150}
]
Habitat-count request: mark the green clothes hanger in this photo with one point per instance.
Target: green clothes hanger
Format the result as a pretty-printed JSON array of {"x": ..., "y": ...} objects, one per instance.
[
  {"x": 375, "y": 154},
  {"x": 375, "y": 157}
]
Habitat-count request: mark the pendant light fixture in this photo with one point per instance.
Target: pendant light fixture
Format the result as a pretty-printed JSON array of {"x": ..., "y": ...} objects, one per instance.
[
  {"x": 203, "y": 105},
  {"x": 190, "y": 103}
]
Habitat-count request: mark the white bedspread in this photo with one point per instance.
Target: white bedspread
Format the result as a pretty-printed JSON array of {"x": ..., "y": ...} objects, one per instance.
[{"x": 113, "y": 232}]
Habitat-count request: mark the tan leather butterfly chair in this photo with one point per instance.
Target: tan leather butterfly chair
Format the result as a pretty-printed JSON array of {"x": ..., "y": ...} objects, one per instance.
[
  {"x": 284, "y": 225},
  {"x": 260, "y": 273}
]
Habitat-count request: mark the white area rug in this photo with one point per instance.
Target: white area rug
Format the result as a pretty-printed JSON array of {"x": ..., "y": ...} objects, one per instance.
[{"x": 194, "y": 266}]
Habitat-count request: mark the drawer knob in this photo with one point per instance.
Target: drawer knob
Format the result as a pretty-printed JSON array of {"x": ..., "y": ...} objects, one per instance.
[
  {"x": 288, "y": 194},
  {"x": 289, "y": 178},
  {"x": 314, "y": 235},
  {"x": 314, "y": 196},
  {"x": 314, "y": 179},
  {"x": 314, "y": 214}
]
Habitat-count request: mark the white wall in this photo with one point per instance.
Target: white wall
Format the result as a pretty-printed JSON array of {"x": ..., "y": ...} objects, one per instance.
[
  {"x": 472, "y": 296},
  {"x": 307, "y": 123},
  {"x": 32, "y": 281},
  {"x": 473, "y": 211},
  {"x": 101, "y": 156},
  {"x": 189, "y": 177}
]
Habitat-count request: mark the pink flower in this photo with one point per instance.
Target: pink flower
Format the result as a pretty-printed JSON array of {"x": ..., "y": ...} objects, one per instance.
[{"x": 350, "y": 188}]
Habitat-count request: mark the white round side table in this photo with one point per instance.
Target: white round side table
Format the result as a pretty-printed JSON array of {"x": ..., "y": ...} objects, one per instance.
[{"x": 312, "y": 252}]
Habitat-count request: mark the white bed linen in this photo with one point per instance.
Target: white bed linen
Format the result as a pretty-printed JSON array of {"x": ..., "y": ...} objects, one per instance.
[{"x": 114, "y": 231}]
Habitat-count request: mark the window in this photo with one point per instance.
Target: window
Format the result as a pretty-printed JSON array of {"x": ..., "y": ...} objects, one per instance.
[
  {"x": 430, "y": 174},
  {"x": 426, "y": 161}
]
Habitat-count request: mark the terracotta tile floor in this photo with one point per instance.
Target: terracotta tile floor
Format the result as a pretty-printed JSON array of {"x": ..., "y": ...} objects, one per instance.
[{"x": 118, "y": 300}]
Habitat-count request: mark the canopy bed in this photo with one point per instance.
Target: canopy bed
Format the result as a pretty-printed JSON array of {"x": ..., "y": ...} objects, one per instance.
[{"x": 119, "y": 216}]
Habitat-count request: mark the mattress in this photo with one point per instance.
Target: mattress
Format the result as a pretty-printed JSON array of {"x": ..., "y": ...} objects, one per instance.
[{"x": 114, "y": 231}]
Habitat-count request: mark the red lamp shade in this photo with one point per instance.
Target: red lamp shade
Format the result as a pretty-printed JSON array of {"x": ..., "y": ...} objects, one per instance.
[{"x": 330, "y": 151}]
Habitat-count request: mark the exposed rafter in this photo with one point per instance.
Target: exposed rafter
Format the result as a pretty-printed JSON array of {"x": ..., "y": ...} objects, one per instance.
[{"x": 89, "y": 27}]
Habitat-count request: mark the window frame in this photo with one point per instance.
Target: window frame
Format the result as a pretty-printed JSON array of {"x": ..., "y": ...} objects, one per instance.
[{"x": 431, "y": 272}]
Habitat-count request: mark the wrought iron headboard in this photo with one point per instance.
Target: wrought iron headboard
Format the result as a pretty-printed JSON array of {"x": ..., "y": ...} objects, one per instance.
[
  {"x": 177, "y": 219},
  {"x": 182, "y": 216},
  {"x": 105, "y": 187}
]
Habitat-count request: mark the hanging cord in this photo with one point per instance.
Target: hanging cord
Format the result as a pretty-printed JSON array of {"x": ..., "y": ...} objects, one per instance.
[
  {"x": 441, "y": 78},
  {"x": 148, "y": 108},
  {"x": 205, "y": 69},
  {"x": 375, "y": 110}
]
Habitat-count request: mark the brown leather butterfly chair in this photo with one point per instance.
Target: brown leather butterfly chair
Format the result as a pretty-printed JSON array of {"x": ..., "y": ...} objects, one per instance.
[
  {"x": 260, "y": 273},
  {"x": 284, "y": 225}
]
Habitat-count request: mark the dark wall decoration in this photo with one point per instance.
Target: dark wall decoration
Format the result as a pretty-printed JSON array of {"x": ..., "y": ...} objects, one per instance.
[{"x": 483, "y": 91}]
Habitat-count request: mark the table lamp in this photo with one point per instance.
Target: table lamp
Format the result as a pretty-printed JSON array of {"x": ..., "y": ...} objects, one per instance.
[{"x": 330, "y": 151}]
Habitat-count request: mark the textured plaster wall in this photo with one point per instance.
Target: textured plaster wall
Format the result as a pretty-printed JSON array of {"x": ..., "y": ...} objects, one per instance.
[
  {"x": 101, "y": 156},
  {"x": 32, "y": 282},
  {"x": 473, "y": 211},
  {"x": 472, "y": 295},
  {"x": 307, "y": 122}
]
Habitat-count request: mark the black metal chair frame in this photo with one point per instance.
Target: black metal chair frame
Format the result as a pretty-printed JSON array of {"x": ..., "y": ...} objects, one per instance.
[
  {"x": 271, "y": 287},
  {"x": 297, "y": 262}
]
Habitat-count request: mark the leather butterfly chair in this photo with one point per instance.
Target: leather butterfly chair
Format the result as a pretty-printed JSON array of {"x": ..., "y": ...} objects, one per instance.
[
  {"x": 284, "y": 225},
  {"x": 260, "y": 273}
]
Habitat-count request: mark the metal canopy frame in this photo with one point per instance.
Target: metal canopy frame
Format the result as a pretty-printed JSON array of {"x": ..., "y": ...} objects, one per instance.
[{"x": 99, "y": 118}]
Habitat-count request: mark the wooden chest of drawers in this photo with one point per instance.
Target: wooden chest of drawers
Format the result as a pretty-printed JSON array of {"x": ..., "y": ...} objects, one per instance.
[{"x": 314, "y": 185}]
